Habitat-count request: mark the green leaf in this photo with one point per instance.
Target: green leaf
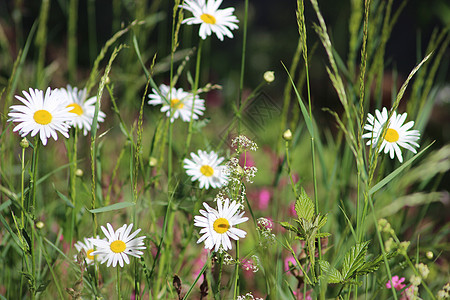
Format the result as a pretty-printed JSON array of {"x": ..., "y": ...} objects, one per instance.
[
  {"x": 322, "y": 235},
  {"x": 111, "y": 207},
  {"x": 42, "y": 286},
  {"x": 331, "y": 274},
  {"x": 411, "y": 200},
  {"x": 304, "y": 207},
  {"x": 305, "y": 114},
  {"x": 321, "y": 221},
  {"x": 374, "y": 264},
  {"x": 354, "y": 259},
  {"x": 288, "y": 226},
  {"x": 64, "y": 198},
  {"x": 391, "y": 176}
]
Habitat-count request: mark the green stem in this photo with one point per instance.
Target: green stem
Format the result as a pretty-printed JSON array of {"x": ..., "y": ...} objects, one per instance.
[
  {"x": 32, "y": 211},
  {"x": 119, "y": 296},
  {"x": 241, "y": 80},
  {"x": 194, "y": 94},
  {"x": 236, "y": 272},
  {"x": 219, "y": 279},
  {"x": 73, "y": 169},
  {"x": 72, "y": 40},
  {"x": 22, "y": 187},
  {"x": 289, "y": 170},
  {"x": 380, "y": 240}
]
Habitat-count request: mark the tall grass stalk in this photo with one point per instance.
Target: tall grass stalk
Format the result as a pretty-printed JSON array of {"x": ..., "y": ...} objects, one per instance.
[
  {"x": 41, "y": 41},
  {"x": 72, "y": 40},
  {"x": 194, "y": 94},
  {"x": 241, "y": 78}
]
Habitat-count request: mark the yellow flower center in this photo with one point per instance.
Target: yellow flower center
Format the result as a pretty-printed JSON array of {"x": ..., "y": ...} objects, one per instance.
[
  {"x": 207, "y": 170},
  {"x": 88, "y": 254},
  {"x": 221, "y": 225},
  {"x": 176, "y": 104},
  {"x": 208, "y": 19},
  {"x": 42, "y": 117},
  {"x": 76, "y": 109},
  {"x": 391, "y": 135},
  {"x": 118, "y": 246}
]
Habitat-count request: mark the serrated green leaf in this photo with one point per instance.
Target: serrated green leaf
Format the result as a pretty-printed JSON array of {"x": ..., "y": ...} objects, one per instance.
[
  {"x": 321, "y": 221},
  {"x": 374, "y": 264},
  {"x": 288, "y": 226},
  {"x": 111, "y": 207},
  {"x": 304, "y": 207},
  {"x": 354, "y": 260},
  {"x": 331, "y": 274},
  {"x": 322, "y": 234}
]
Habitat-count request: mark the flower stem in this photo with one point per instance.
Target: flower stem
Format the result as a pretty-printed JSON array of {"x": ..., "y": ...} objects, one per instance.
[
  {"x": 194, "y": 94},
  {"x": 241, "y": 80},
  {"x": 236, "y": 272},
  {"x": 118, "y": 283}
]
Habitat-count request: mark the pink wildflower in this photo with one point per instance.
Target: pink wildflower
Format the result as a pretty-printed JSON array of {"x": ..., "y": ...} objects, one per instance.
[
  {"x": 396, "y": 282},
  {"x": 264, "y": 199},
  {"x": 286, "y": 263}
]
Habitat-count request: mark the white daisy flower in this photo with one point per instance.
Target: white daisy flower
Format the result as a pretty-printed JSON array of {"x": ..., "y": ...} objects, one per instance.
[
  {"x": 218, "y": 224},
  {"x": 205, "y": 167},
  {"x": 397, "y": 134},
  {"x": 83, "y": 109},
  {"x": 88, "y": 248},
  {"x": 180, "y": 103},
  {"x": 43, "y": 114},
  {"x": 118, "y": 245},
  {"x": 211, "y": 18}
]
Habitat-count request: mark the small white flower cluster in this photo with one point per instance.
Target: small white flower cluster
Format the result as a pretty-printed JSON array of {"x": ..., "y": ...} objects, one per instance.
[
  {"x": 227, "y": 258},
  {"x": 445, "y": 292},
  {"x": 243, "y": 143},
  {"x": 412, "y": 292},
  {"x": 251, "y": 264},
  {"x": 248, "y": 296},
  {"x": 423, "y": 270},
  {"x": 238, "y": 173},
  {"x": 265, "y": 227}
]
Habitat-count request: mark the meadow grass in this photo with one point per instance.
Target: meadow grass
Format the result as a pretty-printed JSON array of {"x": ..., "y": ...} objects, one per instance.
[{"x": 328, "y": 215}]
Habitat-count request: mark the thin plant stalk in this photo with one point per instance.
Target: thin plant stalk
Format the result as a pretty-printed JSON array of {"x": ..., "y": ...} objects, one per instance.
[
  {"x": 119, "y": 296},
  {"x": 22, "y": 186},
  {"x": 72, "y": 39},
  {"x": 41, "y": 40},
  {"x": 380, "y": 239},
  {"x": 241, "y": 80},
  {"x": 194, "y": 94},
  {"x": 236, "y": 273},
  {"x": 303, "y": 35},
  {"x": 32, "y": 210},
  {"x": 73, "y": 154}
]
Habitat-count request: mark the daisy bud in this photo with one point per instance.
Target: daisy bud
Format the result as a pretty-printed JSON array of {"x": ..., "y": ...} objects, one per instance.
[
  {"x": 269, "y": 76},
  {"x": 429, "y": 255},
  {"x": 287, "y": 135},
  {"x": 79, "y": 173},
  {"x": 40, "y": 225},
  {"x": 152, "y": 162},
  {"x": 24, "y": 143}
]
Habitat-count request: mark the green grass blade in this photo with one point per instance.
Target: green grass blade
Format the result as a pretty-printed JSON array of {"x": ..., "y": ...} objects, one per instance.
[{"x": 397, "y": 171}]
